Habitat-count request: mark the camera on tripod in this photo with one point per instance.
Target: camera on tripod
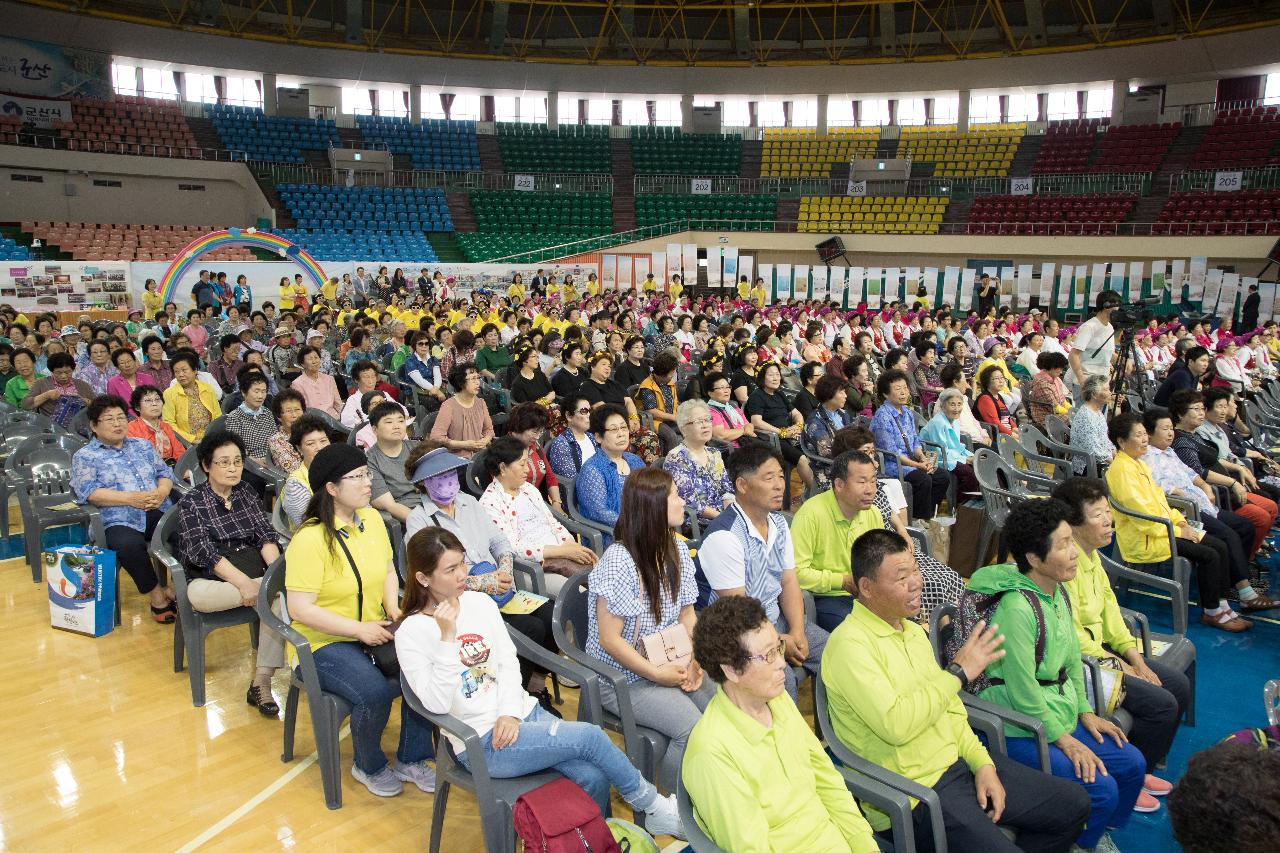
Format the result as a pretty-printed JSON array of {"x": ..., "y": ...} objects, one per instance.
[{"x": 1134, "y": 314}]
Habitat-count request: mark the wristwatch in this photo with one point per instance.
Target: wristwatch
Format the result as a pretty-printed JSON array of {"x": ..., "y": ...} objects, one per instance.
[{"x": 958, "y": 671}]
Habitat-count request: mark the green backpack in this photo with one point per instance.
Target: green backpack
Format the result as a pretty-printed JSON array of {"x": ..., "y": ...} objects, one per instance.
[{"x": 631, "y": 838}]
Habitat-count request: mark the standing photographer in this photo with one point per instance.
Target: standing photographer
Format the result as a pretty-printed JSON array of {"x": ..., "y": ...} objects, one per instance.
[{"x": 1095, "y": 345}]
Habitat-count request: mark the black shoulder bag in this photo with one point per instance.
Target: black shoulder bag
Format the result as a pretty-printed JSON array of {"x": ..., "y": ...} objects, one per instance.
[{"x": 383, "y": 656}]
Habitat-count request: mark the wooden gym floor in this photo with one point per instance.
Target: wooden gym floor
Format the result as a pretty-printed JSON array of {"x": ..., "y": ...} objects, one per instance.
[{"x": 105, "y": 751}]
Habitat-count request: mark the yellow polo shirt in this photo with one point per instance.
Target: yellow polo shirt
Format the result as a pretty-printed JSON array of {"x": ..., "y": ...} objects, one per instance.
[
  {"x": 312, "y": 566},
  {"x": 893, "y": 705},
  {"x": 823, "y": 540},
  {"x": 773, "y": 790}
]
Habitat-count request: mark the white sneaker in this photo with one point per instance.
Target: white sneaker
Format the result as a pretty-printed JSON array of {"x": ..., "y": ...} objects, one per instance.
[
  {"x": 663, "y": 818},
  {"x": 381, "y": 784},
  {"x": 417, "y": 774},
  {"x": 1106, "y": 845}
]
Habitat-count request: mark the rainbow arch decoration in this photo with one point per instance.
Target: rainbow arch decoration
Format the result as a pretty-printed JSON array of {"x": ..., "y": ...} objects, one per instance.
[{"x": 250, "y": 237}]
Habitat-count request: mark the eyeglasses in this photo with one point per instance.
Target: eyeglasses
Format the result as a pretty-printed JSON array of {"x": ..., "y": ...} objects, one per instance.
[
  {"x": 362, "y": 476},
  {"x": 700, "y": 422},
  {"x": 772, "y": 655},
  {"x": 585, "y": 411},
  {"x": 228, "y": 464},
  {"x": 622, "y": 428},
  {"x": 114, "y": 420}
]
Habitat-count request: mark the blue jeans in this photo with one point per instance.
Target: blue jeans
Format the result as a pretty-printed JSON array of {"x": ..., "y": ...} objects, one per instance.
[
  {"x": 346, "y": 671},
  {"x": 1111, "y": 797},
  {"x": 832, "y": 610},
  {"x": 580, "y": 751}
]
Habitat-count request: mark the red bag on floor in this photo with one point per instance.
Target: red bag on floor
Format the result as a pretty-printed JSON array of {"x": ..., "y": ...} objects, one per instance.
[{"x": 559, "y": 817}]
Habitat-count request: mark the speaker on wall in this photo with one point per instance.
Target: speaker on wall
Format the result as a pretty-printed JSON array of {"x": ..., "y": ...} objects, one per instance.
[{"x": 829, "y": 250}]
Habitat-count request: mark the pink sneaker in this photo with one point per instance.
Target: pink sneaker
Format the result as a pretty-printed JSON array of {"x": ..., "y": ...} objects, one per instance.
[
  {"x": 1155, "y": 786},
  {"x": 1146, "y": 804}
]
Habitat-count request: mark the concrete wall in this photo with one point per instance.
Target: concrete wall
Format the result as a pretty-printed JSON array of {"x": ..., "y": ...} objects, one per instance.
[{"x": 148, "y": 192}]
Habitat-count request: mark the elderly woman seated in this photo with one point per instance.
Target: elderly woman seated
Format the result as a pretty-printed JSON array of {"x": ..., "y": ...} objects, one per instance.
[
  {"x": 518, "y": 510},
  {"x": 944, "y": 429},
  {"x": 757, "y": 776},
  {"x": 130, "y": 483},
  {"x": 824, "y": 422},
  {"x": 226, "y": 542},
  {"x": 1089, "y": 426},
  {"x": 698, "y": 470}
]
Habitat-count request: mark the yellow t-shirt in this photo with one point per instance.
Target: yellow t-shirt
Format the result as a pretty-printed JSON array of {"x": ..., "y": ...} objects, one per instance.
[
  {"x": 593, "y": 288},
  {"x": 743, "y": 289},
  {"x": 675, "y": 290},
  {"x": 310, "y": 566},
  {"x": 152, "y": 303},
  {"x": 758, "y": 296},
  {"x": 329, "y": 291},
  {"x": 300, "y": 292},
  {"x": 515, "y": 291},
  {"x": 286, "y": 297},
  {"x": 649, "y": 285},
  {"x": 568, "y": 292}
]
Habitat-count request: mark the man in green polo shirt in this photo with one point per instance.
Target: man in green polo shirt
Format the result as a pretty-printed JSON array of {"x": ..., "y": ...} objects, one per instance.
[
  {"x": 824, "y": 530},
  {"x": 892, "y": 704}
]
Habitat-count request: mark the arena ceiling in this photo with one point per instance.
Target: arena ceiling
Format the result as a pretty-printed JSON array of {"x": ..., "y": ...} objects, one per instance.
[{"x": 697, "y": 32}]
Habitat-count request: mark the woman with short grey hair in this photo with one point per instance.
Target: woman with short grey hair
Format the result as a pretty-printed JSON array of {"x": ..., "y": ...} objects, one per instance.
[
  {"x": 1089, "y": 425},
  {"x": 698, "y": 470}
]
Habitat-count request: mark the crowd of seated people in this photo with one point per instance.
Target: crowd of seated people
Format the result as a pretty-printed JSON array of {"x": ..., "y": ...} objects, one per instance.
[{"x": 406, "y": 455}]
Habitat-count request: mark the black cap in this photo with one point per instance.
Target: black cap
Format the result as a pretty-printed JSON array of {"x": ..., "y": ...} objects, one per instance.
[{"x": 333, "y": 463}]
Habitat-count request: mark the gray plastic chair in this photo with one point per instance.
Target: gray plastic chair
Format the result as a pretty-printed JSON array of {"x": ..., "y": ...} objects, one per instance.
[
  {"x": 40, "y": 471},
  {"x": 187, "y": 465},
  {"x": 643, "y": 745},
  {"x": 1152, "y": 574},
  {"x": 697, "y": 839},
  {"x": 568, "y": 484},
  {"x": 192, "y": 627},
  {"x": 1181, "y": 652},
  {"x": 328, "y": 710},
  {"x": 281, "y": 522},
  {"x": 332, "y": 422},
  {"x": 1002, "y": 486},
  {"x": 494, "y": 797},
  {"x": 13, "y": 434}
]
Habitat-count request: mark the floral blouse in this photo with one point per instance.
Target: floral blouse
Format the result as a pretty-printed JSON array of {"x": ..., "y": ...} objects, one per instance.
[
  {"x": 701, "y": 487},
  {"x": 516, "y": 519},
  {"x": 282, "y": 453}
]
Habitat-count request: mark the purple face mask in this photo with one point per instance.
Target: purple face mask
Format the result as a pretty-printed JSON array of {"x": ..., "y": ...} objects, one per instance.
[{"x": 443, "y": 488}]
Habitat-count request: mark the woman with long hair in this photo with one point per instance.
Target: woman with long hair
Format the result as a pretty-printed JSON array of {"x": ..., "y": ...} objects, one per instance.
[
  {"x": 477, "y": 681},
  {"x": 644, "y": 585},
  {"x": 342, "y": 591}
]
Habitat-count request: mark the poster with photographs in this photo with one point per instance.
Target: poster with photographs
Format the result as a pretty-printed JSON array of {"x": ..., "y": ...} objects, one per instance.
[{"x": 39, "y": 286}]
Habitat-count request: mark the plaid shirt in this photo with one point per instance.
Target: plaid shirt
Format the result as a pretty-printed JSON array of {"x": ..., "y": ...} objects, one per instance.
[
  {"x": 207, "y": 529},
  {"x": 255, "y": 430}
]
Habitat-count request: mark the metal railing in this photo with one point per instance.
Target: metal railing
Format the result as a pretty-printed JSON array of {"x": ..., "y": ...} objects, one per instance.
[
  {"x": 1266, "y": 178},
  {"x": 450, "y": 181},
  {"x": 56, "y": 143},
  {"x": 955, "y": 187}
]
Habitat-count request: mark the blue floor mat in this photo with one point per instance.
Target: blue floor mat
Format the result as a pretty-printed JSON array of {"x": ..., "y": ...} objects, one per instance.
[{"x": 1231, "y": 670}]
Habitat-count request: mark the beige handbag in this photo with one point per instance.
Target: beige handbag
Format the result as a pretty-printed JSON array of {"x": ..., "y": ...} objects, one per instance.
[{"x": 672, "y": 646}]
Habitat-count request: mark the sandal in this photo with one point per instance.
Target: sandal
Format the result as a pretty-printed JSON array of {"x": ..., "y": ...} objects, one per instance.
[
  {"x": 165, "y": 615},
  {"x": 1260, "y": 602}
]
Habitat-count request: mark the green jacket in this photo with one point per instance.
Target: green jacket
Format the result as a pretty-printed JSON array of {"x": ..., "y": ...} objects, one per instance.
[{"x": 1026, "y": 688}]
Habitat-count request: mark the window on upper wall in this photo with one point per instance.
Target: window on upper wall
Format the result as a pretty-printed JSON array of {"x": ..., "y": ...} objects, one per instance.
[
  {"x": 533, "y": 109},
  {"x": 600, "y": 111},
  {"x": 1024, "y": 106},
  {"x": 911, "y": 111},
  {"x": 466, "y": 107},
  {"x": 946, "y": 110},
  {"x": 770, "y": 114},
  {"x": 1063, "y": 105},
  {"x": 243, "y": 91},
  {"x": 356, "y": 101},
  {"x": 1097, "y": 103},
  {"x": 159, "y": 83},
  {"x": 667, "y": 112},
  {"x": 873, "y": 112},
  {"x": 804, "y": 112},
  {"x": 984, "y": 109},
  {"x": 393, "y": 102},
  {"x": 1271, "y": 89},
  {"x": 567, "y": 105},
  {"x": 201, "y": 89},
  {"x": 635, "y": 112},
  {"x": 735, "y": 113},
  {"x": 840, "y": 111},
  {"x": 506, "y": 108},
  {"x": 432, "y": 107},
  {"x": 124, "y": 79}
]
